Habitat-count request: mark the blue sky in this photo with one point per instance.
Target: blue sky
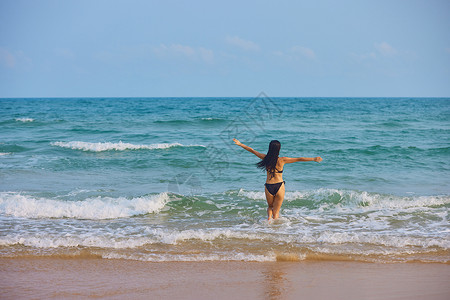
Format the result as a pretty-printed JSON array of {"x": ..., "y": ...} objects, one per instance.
[{"x": 395, "y": 48}]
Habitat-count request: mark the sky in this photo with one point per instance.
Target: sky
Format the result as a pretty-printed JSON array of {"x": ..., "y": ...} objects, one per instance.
[{"x": 112, "y": 48}]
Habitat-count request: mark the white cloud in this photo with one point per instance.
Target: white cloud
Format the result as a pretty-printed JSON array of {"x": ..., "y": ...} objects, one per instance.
[
  {"x": 7, "y": 58},
  {"x": 174, "y": 49},
  {"x": 207, "y": 55},
  {"x": 183, "y": 50},
  {"x": 241, "y": 43},
  {"x": 14, "y": 60},
  {"x": 177, "y": 50},
  {"x": 385, "y": 49},
  {"x": 306, "y": 52},
  {"x": 382, "y": 49},
  {"x": 365, "y": 56},
  {"x": 296, "y": 53}
]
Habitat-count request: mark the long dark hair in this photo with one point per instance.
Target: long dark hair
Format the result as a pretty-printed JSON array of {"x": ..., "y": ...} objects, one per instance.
[{"x": 269, "y": 162}]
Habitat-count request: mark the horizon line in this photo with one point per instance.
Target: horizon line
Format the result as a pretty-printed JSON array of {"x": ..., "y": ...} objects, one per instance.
[{"x": 150, "y": 97}]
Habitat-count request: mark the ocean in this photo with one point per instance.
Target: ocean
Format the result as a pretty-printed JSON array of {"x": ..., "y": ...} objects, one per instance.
[{"x": 160, "y": 179}]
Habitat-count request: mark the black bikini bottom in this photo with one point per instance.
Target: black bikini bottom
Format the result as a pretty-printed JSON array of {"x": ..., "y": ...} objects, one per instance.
[{"x": 274, "y": 187}]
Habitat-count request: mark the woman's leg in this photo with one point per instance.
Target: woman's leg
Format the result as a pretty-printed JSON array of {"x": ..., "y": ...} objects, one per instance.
[
  {"x": 278, "y": 200},
  {"x": 269, "y": 198}
]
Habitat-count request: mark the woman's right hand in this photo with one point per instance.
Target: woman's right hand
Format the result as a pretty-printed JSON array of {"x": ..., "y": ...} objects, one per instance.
[
  {"x": 237, "y": 142},
  {"x": 318, "y": 159}
]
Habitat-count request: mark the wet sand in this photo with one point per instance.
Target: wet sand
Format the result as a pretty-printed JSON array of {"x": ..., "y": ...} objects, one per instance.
[{"x": 55, "y": 278}]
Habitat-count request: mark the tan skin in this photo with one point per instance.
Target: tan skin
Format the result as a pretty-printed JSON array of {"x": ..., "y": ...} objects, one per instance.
[{"x": 274, "y": 202}]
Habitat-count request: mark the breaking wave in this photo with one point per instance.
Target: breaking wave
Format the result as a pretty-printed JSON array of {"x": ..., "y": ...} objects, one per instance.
[
  {"x": 120, "y": 146},
  {"x": 24, "y": 120},
  {"x": 97, "y": 208}
]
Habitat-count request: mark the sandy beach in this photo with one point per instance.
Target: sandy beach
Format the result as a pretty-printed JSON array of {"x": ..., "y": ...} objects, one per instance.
[{"x": 43, "y": 278}]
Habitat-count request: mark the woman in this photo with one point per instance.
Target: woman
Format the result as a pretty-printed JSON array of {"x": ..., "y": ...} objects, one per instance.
[{"x": 274, "y": 166}]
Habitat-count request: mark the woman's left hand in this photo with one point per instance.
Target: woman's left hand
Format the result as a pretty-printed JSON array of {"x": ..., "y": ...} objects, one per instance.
[{"x": 237, "y": 142}]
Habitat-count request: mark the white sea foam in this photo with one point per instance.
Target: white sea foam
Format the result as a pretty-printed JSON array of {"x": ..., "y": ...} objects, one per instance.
[
  {"x": 121, "y": 238},
  {"x": 356, "y": 223},
  {"x": 326, "y": 243},
  {"x": 102, "y": 239},
  {"x": 175, "y": 236},
  {"x": 18, "y": 205},
  {"x": 349, "y": 198},
  {"x": 364, "y": 238},
  {"x": 44, "y": 240},
  {"x": 374, "y": 200},
  {"x": 24, "y": 120},
  {"x": 120, "y": 146},
  {"x": 211, "y": 119},
  {"x": 197, "y": 257}
]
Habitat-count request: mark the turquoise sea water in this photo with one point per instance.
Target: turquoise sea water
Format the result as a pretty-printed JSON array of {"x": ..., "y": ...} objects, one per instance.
[{"x": 160, "y": 178}]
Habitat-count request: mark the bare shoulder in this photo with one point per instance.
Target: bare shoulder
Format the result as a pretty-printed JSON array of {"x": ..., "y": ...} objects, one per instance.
[
  {"x": 283, "y": 159},
  {"x": 287, "y": 160}
]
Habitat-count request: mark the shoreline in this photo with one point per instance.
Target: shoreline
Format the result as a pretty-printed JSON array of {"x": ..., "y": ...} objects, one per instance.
[{"x": 55, "y": 278}]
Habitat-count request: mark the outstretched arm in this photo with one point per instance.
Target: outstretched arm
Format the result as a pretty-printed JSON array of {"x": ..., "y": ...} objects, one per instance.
[
  {"x": 289, "y": 160},
  {"x": 260, "y": 155}
]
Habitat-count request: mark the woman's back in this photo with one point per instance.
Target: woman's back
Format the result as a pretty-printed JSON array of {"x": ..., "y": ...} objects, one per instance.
[
  {"x": 277, "y": 175},
  {"x": 274, "y": 166}
]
